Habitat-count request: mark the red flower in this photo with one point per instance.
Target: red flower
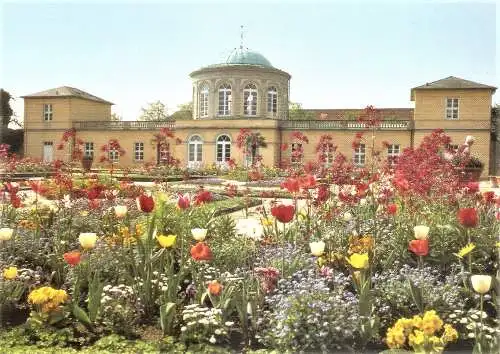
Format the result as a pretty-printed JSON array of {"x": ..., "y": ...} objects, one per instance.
[
  {"x": 15, "y": 201},
  {"x": 145, "y": 203},
  {"x": 291, "y": 184},
  {"x": 489, "y": 197},
  {"x": 72, "y": 258},
  {"x": 468, "y": 217},
  {"x": 94, "y": 203},
  {"x": 284, "y": 213},
  {"x": 419, "y": 247},
  {"x": 323, "y": 193},
  {"x": 472, "y": 187},
  {"x": 308, "y": 181},
  {"x": 38, "y": 187},
  {"x": 392, "y": 209},
  {"x": 202, "y": 196},
  {"x": 183, "y": 202},
  {"x": 201, "y": 252}
]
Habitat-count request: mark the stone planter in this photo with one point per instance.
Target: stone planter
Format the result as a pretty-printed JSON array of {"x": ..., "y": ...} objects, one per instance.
[{"x": 87, "y": 163}]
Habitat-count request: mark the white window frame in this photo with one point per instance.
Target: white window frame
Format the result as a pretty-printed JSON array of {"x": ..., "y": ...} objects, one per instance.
[
  {"x": 250, "y": 91},
  {"x": 225, "y": 100},
  {"x": 393, "y": 152},
  {"x": 138, "y": 151},
  {"x": 329, "y": 154},
  {"x": 359, "y": 158},
  {"x": 454, "y": 108},
  {"x": 48, "y": 143},
  {"x": 203, "y": 101},
  {"x": 223, "y": 145},
  {"x": 195, "y": 151},
  {"x": 48, "y": 113},
  {"x": 113, "y": 155},
  {"x": 272, "y": 100},
  {"x": 88, "y": 149}
]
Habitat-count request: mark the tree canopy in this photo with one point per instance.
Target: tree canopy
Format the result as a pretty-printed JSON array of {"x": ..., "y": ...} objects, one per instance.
[
  {"x": 185, "y": 112},
  {"x": 296, "y": 112},
  {"x": 157, "y": 111},
  {"x": 6, "y": 110}
]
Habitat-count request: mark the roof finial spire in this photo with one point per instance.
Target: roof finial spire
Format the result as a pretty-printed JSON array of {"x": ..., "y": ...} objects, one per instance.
[{"x": 241, "y": 37}]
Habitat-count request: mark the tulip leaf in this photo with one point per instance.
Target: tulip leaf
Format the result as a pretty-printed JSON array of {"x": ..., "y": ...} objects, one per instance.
[
  {"x": 167, "y": 315},
  {"x": 80, "y": 315}
]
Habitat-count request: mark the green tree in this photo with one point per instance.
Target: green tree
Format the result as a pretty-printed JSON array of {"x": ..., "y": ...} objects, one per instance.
[
  {"x": 6, "y": 109},
  {"x": 157, "y": 111},
  {"x": 296, "y": 112},
  {"x": 115, "y": 117},
  {"x": 184, "y": 112}
]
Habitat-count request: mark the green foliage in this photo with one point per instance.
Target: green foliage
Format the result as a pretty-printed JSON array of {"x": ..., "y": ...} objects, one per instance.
[
  {"x": 296, "y": 112},
  {"x": 156, "y": 111}
]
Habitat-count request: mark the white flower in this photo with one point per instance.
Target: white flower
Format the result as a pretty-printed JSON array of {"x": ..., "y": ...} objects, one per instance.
[
  {"x": 199, "y": 234},
  {"x": 212, "y": 340},
  {"x": 251, "y": 228},
  {"x": 317, "y": 248},
  {"x": 120, "y": 211},
  {"x": 481, "y": 283},
  {"x": 229, "y": 323},
  {"x": 67, "y": 201},
  {"x": 87, "y": 240},
  {"x": 362, "y": 202},
  {"x": 347, "y": 216},
  {"x": 183, "y": 329},
  {"x": 421, "y": 232},
  {"x": 6, "y": 233},
  {"x": 218, "y": 332},
  {"x": 469, "y": 140}
]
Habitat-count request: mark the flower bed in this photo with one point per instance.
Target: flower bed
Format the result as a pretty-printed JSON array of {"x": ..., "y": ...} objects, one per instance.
[{"x": 367, "y": 260}]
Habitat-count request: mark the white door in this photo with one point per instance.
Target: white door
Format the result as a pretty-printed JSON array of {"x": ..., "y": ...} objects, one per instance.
[{"x": 48, "y": 152}]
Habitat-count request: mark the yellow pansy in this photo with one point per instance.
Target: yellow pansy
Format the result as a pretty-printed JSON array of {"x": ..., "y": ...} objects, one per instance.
[
  {"x": 166, "y": 241},
  {"x": 466, "y": 250},
  {"x": 359, "y": 261},
  {"x": 10, "y": 273}
]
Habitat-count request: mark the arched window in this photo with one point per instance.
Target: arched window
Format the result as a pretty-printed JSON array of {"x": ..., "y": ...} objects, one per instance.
[
  {"x": 203, "y": 101},
  {"x": 272, "y": 100},
  {"x": 195, "y": 149},
  {"x": 250, "y": 100},
  {"x": 223, "y": 148},
  {"x": 225, "y": 100}
]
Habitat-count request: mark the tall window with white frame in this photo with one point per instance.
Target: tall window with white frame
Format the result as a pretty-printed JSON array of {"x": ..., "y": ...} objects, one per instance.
[
  {"x": 48, "y": 151},
  {"x": 195, "y": 151},
  {"x": 203, "y": 101},
  {"x": 359, "y": 155},
  {"x": 272, "y": 101},
  {"x": 223, "y": 149},
  {"x": 452, "y": 108},
  {"x": 113, "y": 155},
  {"x": 250, "y": 100},
  {"x": 328, "y": 154},
  {"x": 393, "y": 151},
  {"x": 139, "y": 151},
  {"x": 48, "y": 114},
  {"x": 225, "y": 100},
  {"x": 88, "y": 149}
]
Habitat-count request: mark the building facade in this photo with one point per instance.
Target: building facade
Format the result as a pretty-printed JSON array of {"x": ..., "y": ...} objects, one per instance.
[{"x": 246, "y": 91}]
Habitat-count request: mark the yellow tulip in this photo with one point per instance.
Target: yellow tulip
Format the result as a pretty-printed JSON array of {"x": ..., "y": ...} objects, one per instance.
[
  {"x": 87, "y": 240},
  {"x": 166, "y": 241},
  {"x": 481, "y": 283},
  {"x": 359, "y": 261},
  {"x": 268, "y": 222},
  {"x": 10, "y": 273},
  {"x": 6, "y": 233}
]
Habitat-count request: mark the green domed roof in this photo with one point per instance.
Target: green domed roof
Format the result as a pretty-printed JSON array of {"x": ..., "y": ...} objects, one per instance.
[{"x": 244, "y": 56}]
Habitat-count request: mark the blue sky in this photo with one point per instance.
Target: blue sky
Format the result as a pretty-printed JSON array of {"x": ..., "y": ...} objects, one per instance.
[{"x": 340, "y": 55}]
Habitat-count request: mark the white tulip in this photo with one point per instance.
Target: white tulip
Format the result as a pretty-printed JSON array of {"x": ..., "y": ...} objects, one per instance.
[
  {"x": 347, "y": 216},
  {"x": 469, "y": 140},
  {"x": 421, "y": 232},
  {"x": 481, "y": 283},
  {"x": 251, "y": 228},
  {"x": 6, "y": 233},
  {"x": 120, "y": 211},
  {"x": 199, "y": 234},
  {"x": 317, "y": 248},
  {"x": 87, "y": 240}
]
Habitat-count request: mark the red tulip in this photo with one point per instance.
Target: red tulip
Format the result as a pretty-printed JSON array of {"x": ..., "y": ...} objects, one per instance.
[
  {"x": 489, "y": 197},
  {"x": 419, "y": 247},
  {"x": 291, "y": 184},
  {"x": 284, "y": 213},
  {"x": 145, "y": 203},
  {"x": 72, "y": 258},
  {"x": 183, "y": 202},
  {"x": 468, "y": 217},
  {"x": 308, "y": 181},
  {"x": 392, "y": 209},
  {"x": 201, "y": 252},
  {"x": 202, "y": 196}
]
